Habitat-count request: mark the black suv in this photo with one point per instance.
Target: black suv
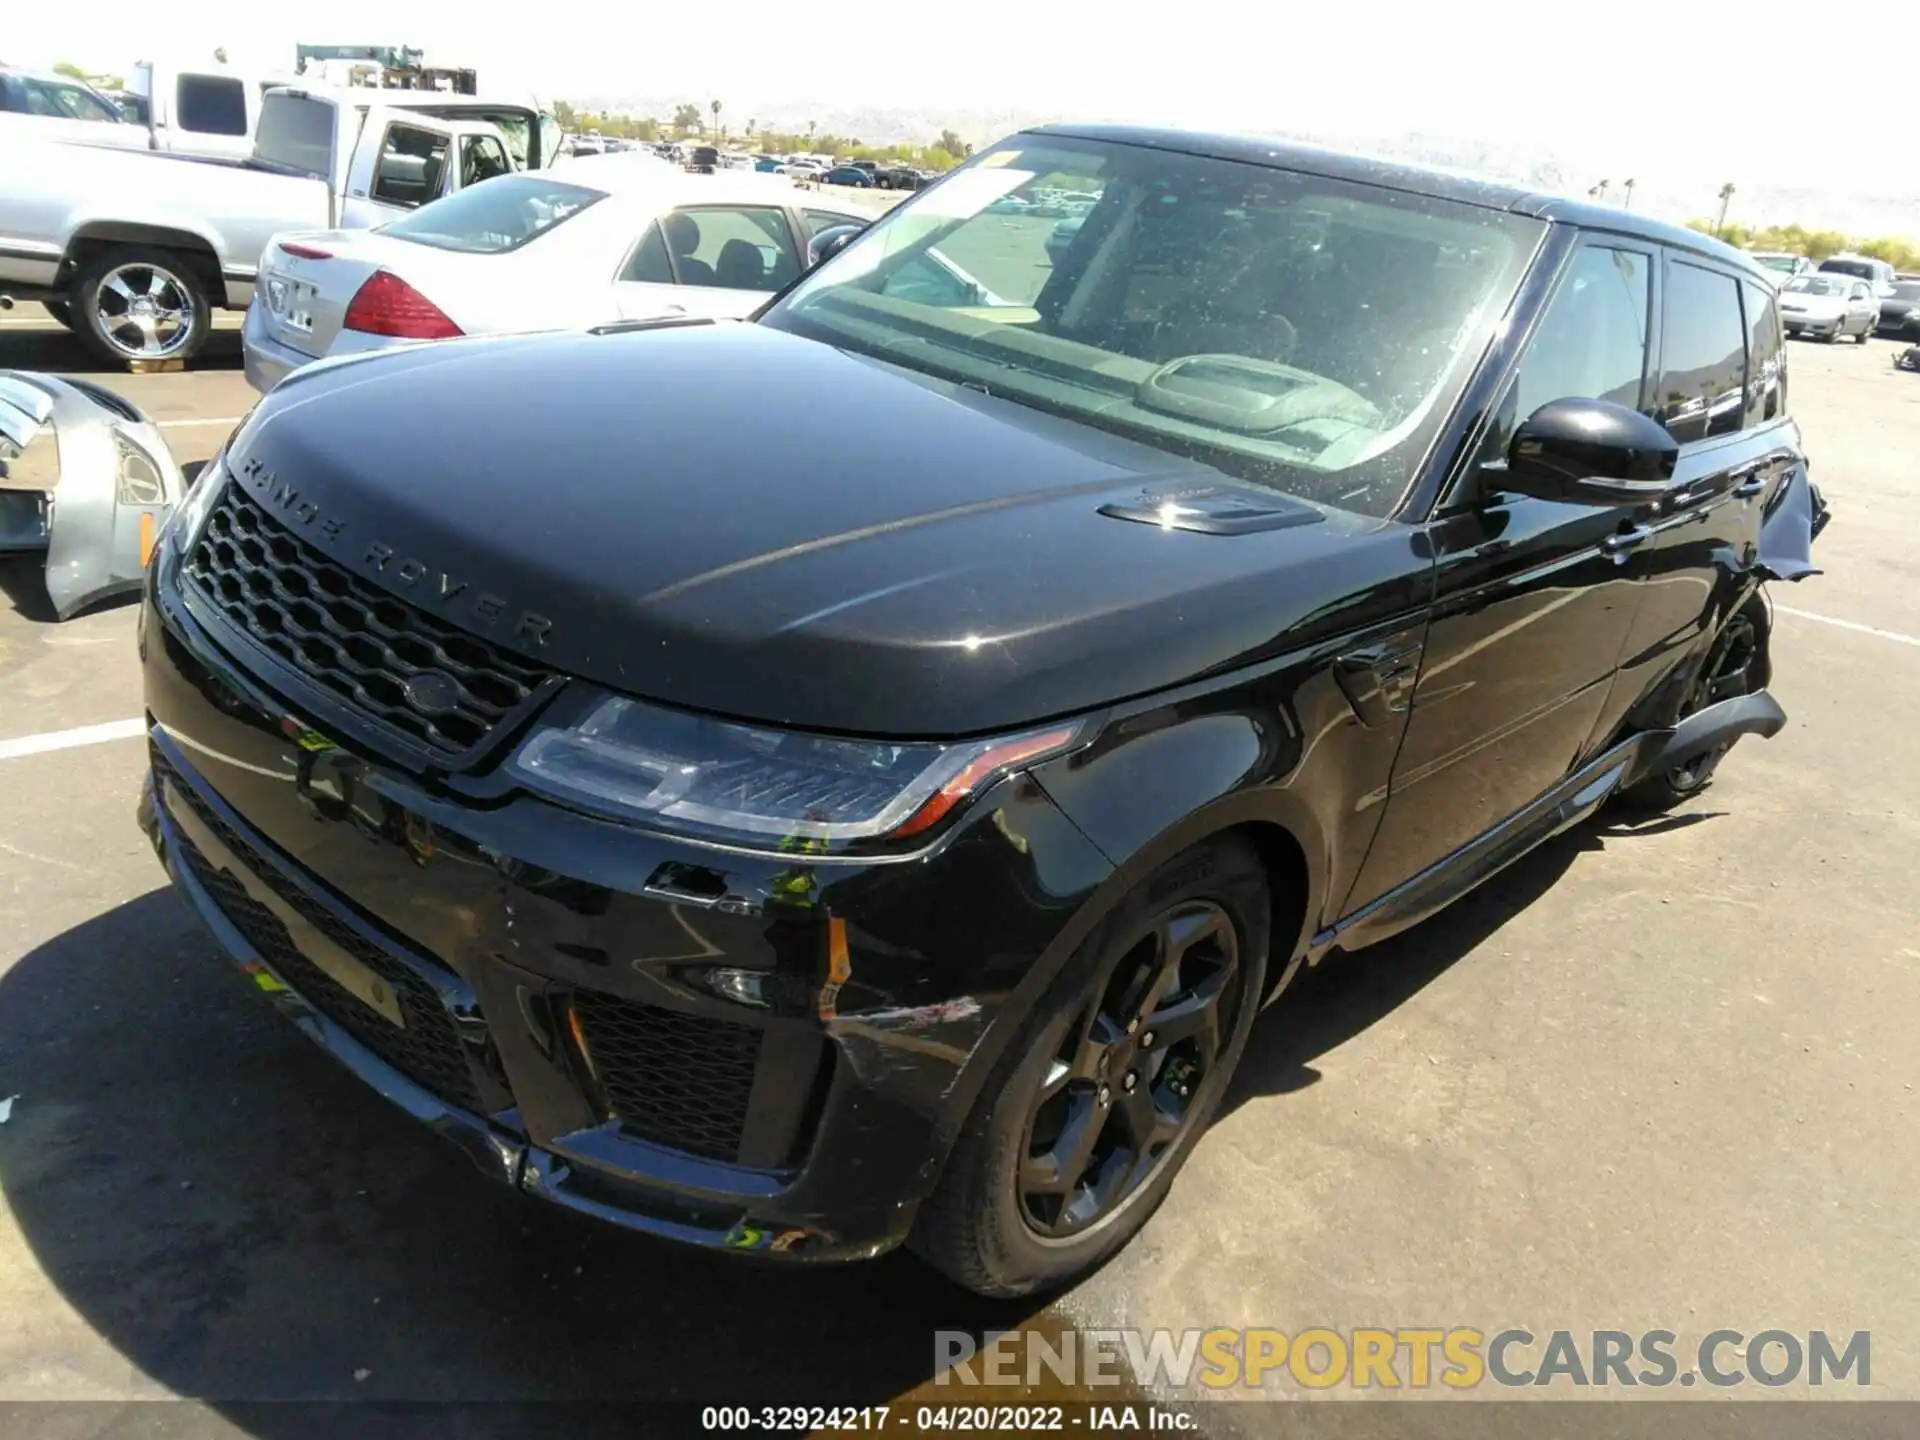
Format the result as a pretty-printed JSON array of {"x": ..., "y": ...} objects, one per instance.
[{"x": 882, "y": 822}]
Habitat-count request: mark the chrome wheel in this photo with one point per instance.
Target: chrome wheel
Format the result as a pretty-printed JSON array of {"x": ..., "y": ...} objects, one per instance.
[
  {"x": 144, "y": 311},
  {"x": 1121, "y": 1089}
]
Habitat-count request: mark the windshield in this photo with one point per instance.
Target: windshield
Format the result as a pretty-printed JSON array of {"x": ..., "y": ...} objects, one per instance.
[
  {"x": 1818, "y": 285},
  {"x": 1291, "y": 329},
  {"x": 493, "y": 216}
]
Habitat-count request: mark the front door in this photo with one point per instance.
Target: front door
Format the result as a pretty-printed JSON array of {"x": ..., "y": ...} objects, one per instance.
[
  {"x": 402, "y": 162},
  {"x": 1534, "y": 598}
]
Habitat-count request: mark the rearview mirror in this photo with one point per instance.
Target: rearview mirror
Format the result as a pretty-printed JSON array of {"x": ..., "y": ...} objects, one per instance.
[
  {"x": 830, "y": 242},
  {"x": 1591, "y": 452}
]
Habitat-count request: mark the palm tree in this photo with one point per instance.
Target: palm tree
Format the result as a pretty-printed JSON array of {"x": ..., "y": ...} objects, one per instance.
[
  {"x": 1629, "y": 189},
  {"x": 715, "y": 106},
  {"x": 812, "y": 125},
  {"x": 1726, "y": 194}
]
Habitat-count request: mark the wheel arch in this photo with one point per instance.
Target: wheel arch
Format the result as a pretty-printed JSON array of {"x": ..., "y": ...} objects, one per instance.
[{"x": 197, "y": 251}]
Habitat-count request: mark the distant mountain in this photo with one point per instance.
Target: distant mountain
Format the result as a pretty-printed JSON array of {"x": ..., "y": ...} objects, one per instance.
[{"x": 1672, "y": 190}]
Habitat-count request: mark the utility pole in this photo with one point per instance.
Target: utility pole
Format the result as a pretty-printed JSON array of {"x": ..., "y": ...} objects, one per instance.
[
  {"x": 1720, "y": 226},
  {"x": 1629, "y": 190}
]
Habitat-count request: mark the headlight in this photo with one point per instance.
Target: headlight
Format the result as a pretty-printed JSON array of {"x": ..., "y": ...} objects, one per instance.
[
  {"x": 192, "y": 512},
  {"x": 767, "y": 789}
]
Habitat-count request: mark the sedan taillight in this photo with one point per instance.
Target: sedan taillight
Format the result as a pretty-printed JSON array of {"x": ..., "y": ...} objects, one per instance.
[{"x": 388, "y": 305}]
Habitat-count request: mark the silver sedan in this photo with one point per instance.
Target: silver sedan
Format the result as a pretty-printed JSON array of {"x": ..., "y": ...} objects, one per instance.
[
  {"x": 588, "y": 242},
  {"x": 1829, "y": 306}
]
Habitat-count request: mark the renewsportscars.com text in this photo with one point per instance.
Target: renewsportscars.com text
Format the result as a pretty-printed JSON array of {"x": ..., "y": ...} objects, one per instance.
[{"x": 1413, "y": 1358}]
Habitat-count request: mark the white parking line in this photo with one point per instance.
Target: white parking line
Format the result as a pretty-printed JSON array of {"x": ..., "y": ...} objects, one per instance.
[
  {"x": 1893, "y": 635},
  {"x": 68, "y": 739}
]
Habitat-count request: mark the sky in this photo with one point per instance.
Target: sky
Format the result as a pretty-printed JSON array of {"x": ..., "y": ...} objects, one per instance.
[{"x": 1682, "y": 94}]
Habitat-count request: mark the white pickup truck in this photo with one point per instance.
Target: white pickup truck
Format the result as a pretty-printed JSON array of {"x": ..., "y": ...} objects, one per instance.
[{"x": 133, "y": 250}]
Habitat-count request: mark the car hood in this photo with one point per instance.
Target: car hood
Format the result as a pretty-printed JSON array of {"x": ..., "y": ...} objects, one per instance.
[
  {"x": 1813, "y": 304},
  {"x": 734, "y": 519}
]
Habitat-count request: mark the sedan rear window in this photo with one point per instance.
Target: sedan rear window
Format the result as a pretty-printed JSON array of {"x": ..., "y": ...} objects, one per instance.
[
  {"x": 494, "y": 216},
  {"x": 1817, "y": 285}
]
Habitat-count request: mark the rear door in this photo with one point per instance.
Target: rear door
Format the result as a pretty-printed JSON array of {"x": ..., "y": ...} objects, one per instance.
[
  {"x": 1723, "y": 396},
  {"x": 720, "y": 261},
  {"x": 402, "y": 161}
]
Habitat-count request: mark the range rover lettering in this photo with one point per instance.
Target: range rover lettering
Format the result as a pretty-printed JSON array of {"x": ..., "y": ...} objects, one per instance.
[{"x": 877, "y": 816}]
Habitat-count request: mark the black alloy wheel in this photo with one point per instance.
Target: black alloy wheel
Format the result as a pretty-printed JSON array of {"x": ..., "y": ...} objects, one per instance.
[
  {"x": 1098, "y": 1099},
  {"x": 1119, "y": 1090}
]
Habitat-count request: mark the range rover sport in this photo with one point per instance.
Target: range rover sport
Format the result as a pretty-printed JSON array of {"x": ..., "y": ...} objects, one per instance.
[{"x": 883, "y": 824}]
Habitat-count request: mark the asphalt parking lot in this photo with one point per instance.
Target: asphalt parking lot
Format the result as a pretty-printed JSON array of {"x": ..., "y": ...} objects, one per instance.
[{"x": 1657, "y": 1075}]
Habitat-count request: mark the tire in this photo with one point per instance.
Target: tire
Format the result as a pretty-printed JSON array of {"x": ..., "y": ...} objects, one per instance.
[
  {"x": 1831, "y": 336},
  {"x": 1866, "y": 335},
  {"x": 61, "y": 312},
  {"x": 179, "y": 293},
  {"x": 1738, "y": 656},
  {"x": 986, "y": 1226}
]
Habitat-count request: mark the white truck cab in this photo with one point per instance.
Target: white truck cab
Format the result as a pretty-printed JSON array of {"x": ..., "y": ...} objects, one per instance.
[{"x": 211, "y": 110}]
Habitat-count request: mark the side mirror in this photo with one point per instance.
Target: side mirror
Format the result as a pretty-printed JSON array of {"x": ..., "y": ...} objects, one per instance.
[
  {"x": 830, "y": 242},
  {"x": 1591, "y": 452}
]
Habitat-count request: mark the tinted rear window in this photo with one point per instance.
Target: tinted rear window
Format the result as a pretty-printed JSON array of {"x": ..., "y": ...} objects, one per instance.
[
  {"x": 297, "y": 133},
  {"x": 494, "y": 216},
  {"x": 1906, "y": 289}
]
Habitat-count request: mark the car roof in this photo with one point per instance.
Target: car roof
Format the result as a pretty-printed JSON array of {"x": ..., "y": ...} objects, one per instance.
[
  {"x": 1430, "y": 180},
  {"x": 645, "y": 176}
]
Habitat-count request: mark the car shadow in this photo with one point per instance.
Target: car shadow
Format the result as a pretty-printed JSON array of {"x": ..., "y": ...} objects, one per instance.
[
  {"x": 1346, "y": 993},
  {"x": 23, "y": 581},
  {"x": 57, "y": 351},
  {"x": 245, "y": 1223}
]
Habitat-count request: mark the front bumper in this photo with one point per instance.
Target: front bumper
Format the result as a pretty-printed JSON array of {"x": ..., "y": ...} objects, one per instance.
[
  {"x": 1812, "y": 324},
  {"x": 723, "y": 1049}
]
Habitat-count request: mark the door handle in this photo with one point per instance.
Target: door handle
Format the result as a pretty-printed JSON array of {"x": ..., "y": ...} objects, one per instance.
[
  {"x": 1749, "y": 487},
  {"x": 1622, "y": 541}
]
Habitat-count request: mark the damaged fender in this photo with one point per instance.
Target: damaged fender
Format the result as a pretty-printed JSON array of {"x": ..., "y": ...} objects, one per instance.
[
  {"x": 1787, "y": 534},
  {"x": 84, "y": 477}
]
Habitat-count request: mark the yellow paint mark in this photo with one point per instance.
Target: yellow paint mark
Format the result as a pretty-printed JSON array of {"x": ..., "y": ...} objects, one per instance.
[{"x": 147, "y": 532}]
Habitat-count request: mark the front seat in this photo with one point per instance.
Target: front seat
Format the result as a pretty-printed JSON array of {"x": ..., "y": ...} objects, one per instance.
[
  {"x": 683, "y": 238},
  {"x": 741, "y": 267}
]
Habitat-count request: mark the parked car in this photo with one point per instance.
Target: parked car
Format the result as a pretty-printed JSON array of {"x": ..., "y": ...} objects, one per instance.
[
  {"x": 1877, "y": 273},
  {"x": 588, "y": 242},
  {"x": 1061, "y": 237},
  {"x": 885, "y": 824},
  {"x": 134, "y": 252},
  {"x": 849, "y": 175},
  {"x": 1900, "y": 311},
  {"x": 86, "y": 480},
  {"x": 1828, "y": 306},
  {"x": 1783, "y": 263},
  {"x": 43, "y": 105},
  {"x": 899, "y": 177}
]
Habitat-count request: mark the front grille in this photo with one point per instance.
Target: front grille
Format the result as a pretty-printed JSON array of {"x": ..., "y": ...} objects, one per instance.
[
  {"x": 349, "y": 636},
  {"x": 428, "y": 1050},
  {"x": 677, "y": 1080}
]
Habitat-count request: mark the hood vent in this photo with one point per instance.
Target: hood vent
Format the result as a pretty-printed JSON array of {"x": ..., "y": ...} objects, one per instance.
[{"x": 1216, "y": 510}]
